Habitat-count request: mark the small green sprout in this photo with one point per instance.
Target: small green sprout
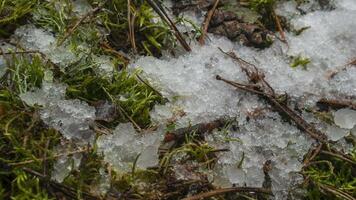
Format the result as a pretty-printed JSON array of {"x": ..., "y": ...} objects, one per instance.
[{"x": 300, "y": 61}]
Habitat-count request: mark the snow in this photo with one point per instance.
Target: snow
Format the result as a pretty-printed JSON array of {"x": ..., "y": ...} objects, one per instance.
[
  {"x": 121, "y": 148},
  {"x": 37, "y": 39},
  {"x": 188, "y": 81},
  {"x": 71, "y": 117},
  {"x": 195, "y": 96},
  {"x": 345, "y": 118}
]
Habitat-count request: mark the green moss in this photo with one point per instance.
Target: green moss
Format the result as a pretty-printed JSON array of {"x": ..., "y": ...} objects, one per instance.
[
  {"x": 328, "y": 177},
  {"x": 300, "y": 61},
  {"x": 150, "y": 34}
]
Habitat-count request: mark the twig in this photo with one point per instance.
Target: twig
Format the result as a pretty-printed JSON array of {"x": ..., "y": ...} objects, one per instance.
[
  {"x": 198, "y": 129},
  {"x": 206, "y": 23},
  {"x": 148, "y": 85},
  {"x": 331, "y": 73},
  {"x": 80, "y": 21},
  {"x": 228, "y": 190},
  {"x": 301, "y": 123},
  {"x": 313, "y": 154},
  {"x": 164, "y": 16},
  {"x": 338, "y": 103},
  {"x": 338, "y": 155},
  {"x": 279, "y": 27},
  {"x": 262, "y": 90},
  {"x": 109, "y": 49},
  {"x": 336, "y": 192}
]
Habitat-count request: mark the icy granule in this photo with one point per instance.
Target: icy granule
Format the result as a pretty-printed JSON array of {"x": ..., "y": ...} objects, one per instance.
[
  {"x": 336, "y": 133},
  {"x": 345, "y": 118},
  {"x": 71, "y": 117},
  {"x": 123, "y": 146},
  {"x": 37, "y": 39}
]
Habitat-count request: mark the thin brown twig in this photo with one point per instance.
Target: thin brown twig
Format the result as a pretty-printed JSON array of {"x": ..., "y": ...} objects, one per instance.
[
  {"x": 313, "y": 154},
  {"x": 336, "y": 192},
  {"x": 256, "y": 77},
  {"x": 228, "y": 190},
  {"x": 279, "y": 27},
  {"x": 338, "y": 155},
  {"x": 148, "y": 85},
  {"x": 338, "y": 103},
  {"x": 131, "y": 25},
  {"x": 206, "y": 23},
  {"x": 109, "y": 49},
  {"x": 164, "y": 16}
]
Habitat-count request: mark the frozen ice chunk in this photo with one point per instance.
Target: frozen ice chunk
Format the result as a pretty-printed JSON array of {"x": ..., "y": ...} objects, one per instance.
[
  {"x": 105, "y": 65},
  {"x": 72, "y": 118},
  {"x": 65, "y": 164},
  {"x": 81, "y": 7},
  {"x": 345, "y": 118},
  {"x": 42, "y": 96},
  {"x": 37, "y": 39},
  {"x": 336, "y": 133},
  {"x": 122, "y": 147}
]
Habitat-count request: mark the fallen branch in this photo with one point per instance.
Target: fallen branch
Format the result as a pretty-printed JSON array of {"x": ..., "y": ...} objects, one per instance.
[
  {"x": 228, "y": 190},
  {"x": 164, "y": 16},
  {"x": 206, "y": 23}
]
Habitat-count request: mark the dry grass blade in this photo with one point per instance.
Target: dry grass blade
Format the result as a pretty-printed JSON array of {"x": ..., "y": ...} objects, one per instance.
[
  {"x": 131, "y": 25},
  {"x": 206, "y": 23}
]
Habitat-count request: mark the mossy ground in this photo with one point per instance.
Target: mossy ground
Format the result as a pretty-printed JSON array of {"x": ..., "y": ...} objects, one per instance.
[{"x": 27, "y": 145}]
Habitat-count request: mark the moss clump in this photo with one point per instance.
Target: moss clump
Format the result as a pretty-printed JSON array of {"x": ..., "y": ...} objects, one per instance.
[
  {"x": 13, "y": 13},
  {"x": 328, "y": 177},
  {"x": 300, "y": 61}
]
